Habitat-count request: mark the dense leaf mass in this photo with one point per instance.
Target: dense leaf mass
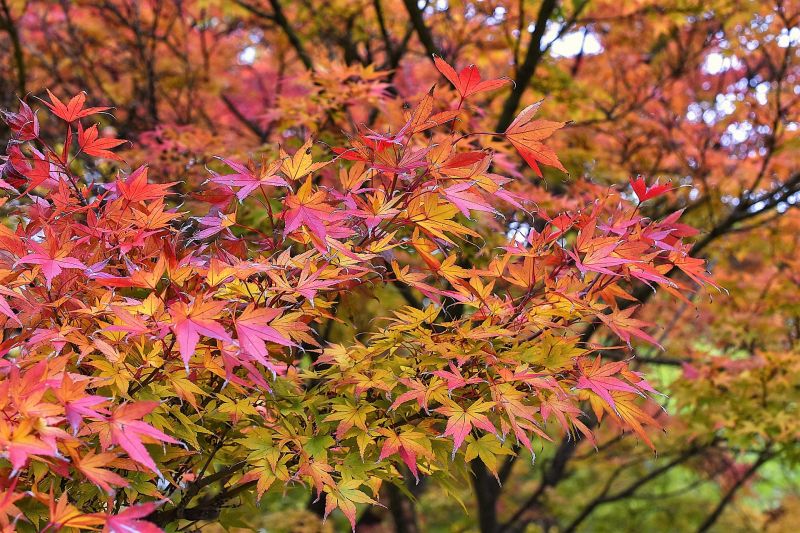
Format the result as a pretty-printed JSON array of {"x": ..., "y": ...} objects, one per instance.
[{"x": 136, "y": 324}]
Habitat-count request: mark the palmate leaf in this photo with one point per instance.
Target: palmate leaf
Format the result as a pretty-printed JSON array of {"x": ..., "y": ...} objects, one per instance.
[
  {"x": 65, "y": 515},
  {"x": 435, "y": 217},
  {"x": 526, "y": 135},
  {"x": 408, "y": 444},
  {"x": 601, "y": 380},
  {"x": 126, "y": 429},
  {"x": 90, "y": 143},
  {"x": 136, "y": 188},
  {"x": 95, "y": 468},
  {"x": 24, "y": 124},
  {"x": 468, "y": 81},
  {"x": 624, "y": 325},
  {"x": 132, "y": 519},
  {"x": 74, "y": 109},
  {"x": 488, "y": 448},
  {"x": 644, "y": 193},
  {"x": 349, "y": 415},
  {"x": 460, "y": 420},
  {"x": 52, "y": 263},
  {"x": 253, "y": 330},
  {"x": 300, "y": 164},
  {"x": 191, "y": 321},
  {"x": 308, "y": 208},
  {"x": 345, "y": 496},
  {"x": 247, "y": 180},
  {"x": 626, "y": 410}
]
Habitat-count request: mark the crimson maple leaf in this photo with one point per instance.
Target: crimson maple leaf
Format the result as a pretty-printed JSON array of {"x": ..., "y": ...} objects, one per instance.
[
  {"x": 38, "y": 170},
  {"x": 74, "y": 109},
  {"x": 468, "y": 81},
  {"x": 136, "y": 189},
  {"x": 24, "y": 124},
  {"x": 643, "y": 192},
  {"x": 91, "y": 144}
]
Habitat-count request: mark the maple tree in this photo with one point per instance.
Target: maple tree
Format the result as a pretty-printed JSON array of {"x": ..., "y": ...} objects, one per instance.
[
  {"x": 122, "y": 307},
  {"x": 338, "y": 266}
]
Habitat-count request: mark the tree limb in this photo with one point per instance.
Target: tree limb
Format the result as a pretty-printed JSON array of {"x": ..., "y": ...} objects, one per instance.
[
  {"x": 279, "y": 18},
  {"x": 604, "y": 498},
  {"x": 16, "y": 45},
  {"x": 532, "y": 57},
  {"x": 422, "y": 30},
  {"x": 711, "y": 519}
]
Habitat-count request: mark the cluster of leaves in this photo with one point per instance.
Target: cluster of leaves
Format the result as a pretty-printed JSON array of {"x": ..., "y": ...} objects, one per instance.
[{"x": 156, "y": 364}]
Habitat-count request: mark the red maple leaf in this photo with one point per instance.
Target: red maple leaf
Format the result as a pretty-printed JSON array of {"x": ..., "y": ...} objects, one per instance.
[
  {"x": 91, "y": 144},
  {"x": 468, "y": 81},
  {"x": 24, "y": 124},
  {"x": 74, "y": 109},
  {"x": 135, "y": 187},
  {"x": 643, "y": 192}
]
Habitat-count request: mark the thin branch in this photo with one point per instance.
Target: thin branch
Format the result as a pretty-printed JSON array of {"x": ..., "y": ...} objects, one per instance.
[
  {"x": 279, "y": 18},
  {"x": 553, "y": 474},
  {"x": 422, "y": 30},
  {"x": 604, "y": 498},
  {"x": 16, "y": 45},
  {"x": 249, "y": 124},
  {"x": 525, "y": 72},
  {"x": 711, "y": 519},
  {"x": 387, "y": 40}
]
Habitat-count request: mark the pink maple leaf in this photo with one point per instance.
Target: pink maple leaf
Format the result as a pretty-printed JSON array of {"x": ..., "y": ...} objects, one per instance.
[
  {"x": 52, "y": 263},
  {"x": 130, "y": 520},
  {"x": 191, "y": 322}
]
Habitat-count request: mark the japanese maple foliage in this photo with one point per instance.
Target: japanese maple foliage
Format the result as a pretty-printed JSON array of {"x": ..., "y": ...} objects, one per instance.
[{"x": 157, "y": 362}]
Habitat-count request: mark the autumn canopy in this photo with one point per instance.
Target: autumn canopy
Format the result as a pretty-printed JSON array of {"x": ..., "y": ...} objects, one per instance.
[{"x": 399, "y": 266}]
